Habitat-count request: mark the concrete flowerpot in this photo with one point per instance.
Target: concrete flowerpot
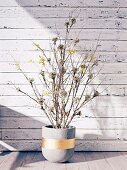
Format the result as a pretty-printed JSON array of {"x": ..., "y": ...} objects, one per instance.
[{"x": 58, "y": 144}]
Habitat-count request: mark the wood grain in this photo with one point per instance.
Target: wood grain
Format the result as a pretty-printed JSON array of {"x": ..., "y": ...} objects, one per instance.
[
  {"x": 27, "y": 45},
  {"x": 115, "y": 90},
  {"x": 86, "y": 34},
  {"x": 95, "y": 145},
  {"x": 80, "y": 160},
  {"x": 89, "y": 111},
  {"x": 22, "y": 23},
  {"x": 116, "y": 162},
  {"x": 100, "y": 162},
  {"x": 93, "y": 134},
  {"x": 83, "y": 123},
  {"x": 107, "y": 57},
  {"x": 41, "y": 12},
  {"x": 65, "y": 3},
  {"x": 18, "y": 78}
]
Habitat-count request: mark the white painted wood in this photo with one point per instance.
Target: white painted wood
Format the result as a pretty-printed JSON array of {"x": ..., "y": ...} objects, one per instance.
[
  {"x": 5, "y": 158},
  {"x": 107, "y": 3},
  {"x": 103, "y": 125},
  {"x": 0, "y": 133},
  {"x": 89, "y": 111},
  {"x": 64, "y": 3},
  {"x": 108, "y": 68},
  {"x": 107, "y": 57},
  {"x": 23, "y": 23},
  {"x": 54, "y": 166},
  {"x": 33, "y": 134},
  {"x": 110, "y": 101},
  {"x": 116, "y": 162},
  {"x": 101, "y": 145},
  {"x": 2, "y": 158},
  {"x": 41, "y": 3},
  {"x": 13, "y": 161},
  {"x": 81, "y": 145},
  {"x": 14, "y": 45},
  {"x": 77, "y": 162},
  {"x": 39, "y": 12},
  {"x": 33, "y": 161},
  {"x": 100, "y": 162},
  {"x": 80, "y": 160},
  {"x": 115, "y": 90},
  {"x": 18, "y": 78},
  {"x": 90, "y": 34},
  {"x": 83, "y": 123}
]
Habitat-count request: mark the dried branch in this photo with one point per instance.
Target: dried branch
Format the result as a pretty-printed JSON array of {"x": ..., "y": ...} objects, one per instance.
[{"x": 65, "y": 72}]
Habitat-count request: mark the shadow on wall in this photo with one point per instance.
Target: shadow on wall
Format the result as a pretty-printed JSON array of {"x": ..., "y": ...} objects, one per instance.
[
  {"x": 49, "y": 14},
  {"x": 21, "y": 129},
  {"x": 51, "y": 19},
  {"x": 18, "y": 131}
]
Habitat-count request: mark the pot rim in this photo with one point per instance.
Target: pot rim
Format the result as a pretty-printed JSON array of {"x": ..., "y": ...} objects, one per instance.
[{"x": 50, "y": 127}]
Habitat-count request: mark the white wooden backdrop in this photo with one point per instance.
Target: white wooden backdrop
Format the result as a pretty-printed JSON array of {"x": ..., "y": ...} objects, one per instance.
[{"x": 104, "y": 125}]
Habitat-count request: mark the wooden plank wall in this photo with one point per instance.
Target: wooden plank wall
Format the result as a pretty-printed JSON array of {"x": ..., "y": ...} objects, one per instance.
[{"x": 104, "y": 124}]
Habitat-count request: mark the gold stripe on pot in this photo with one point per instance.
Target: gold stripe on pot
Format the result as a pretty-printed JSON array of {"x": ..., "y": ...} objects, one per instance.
[{"x": 58, "y": 143}]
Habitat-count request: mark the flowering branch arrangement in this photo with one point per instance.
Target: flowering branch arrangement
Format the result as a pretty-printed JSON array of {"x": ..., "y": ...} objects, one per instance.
[{"x": 65, "y": 77}]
